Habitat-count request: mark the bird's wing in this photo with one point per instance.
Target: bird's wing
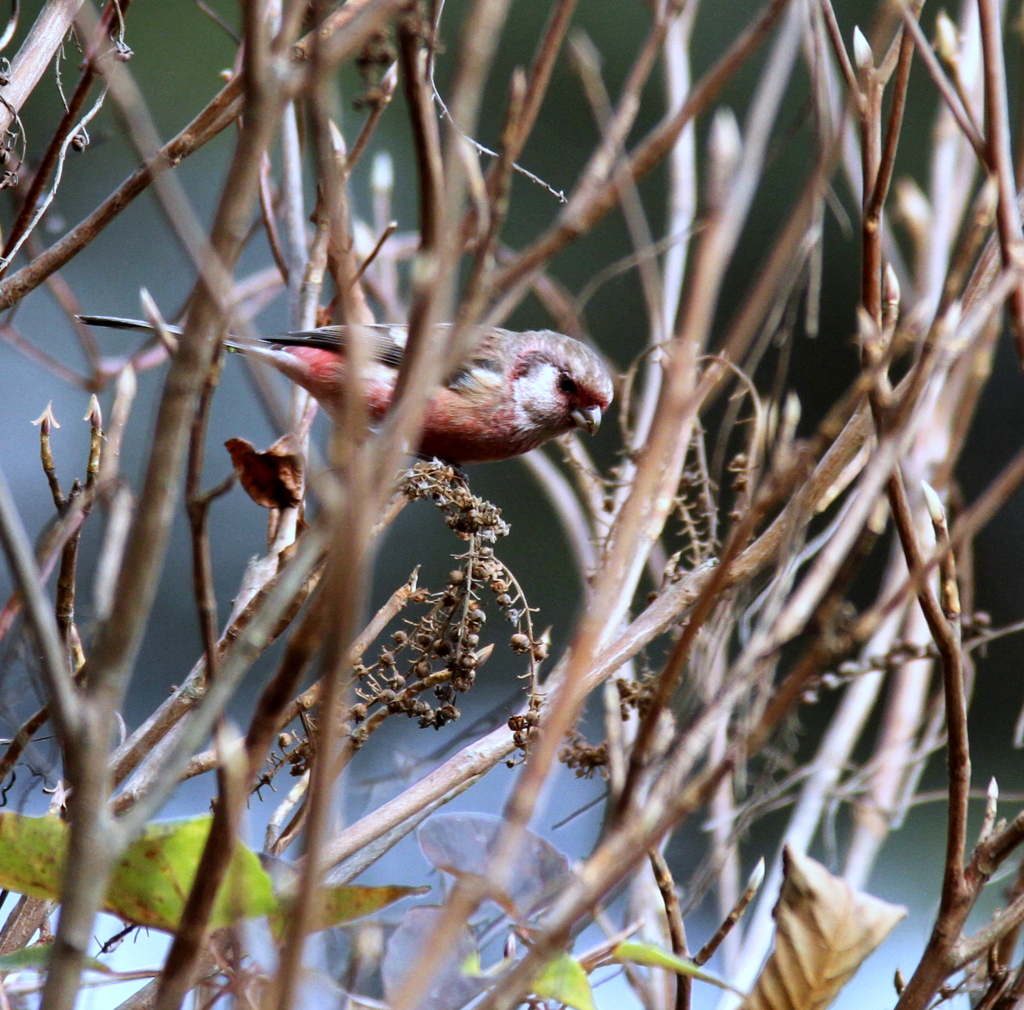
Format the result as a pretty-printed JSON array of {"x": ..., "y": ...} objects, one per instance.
[
  {"x": 478, "y": 375},
  {"x": 387, "y": 345},
  {"x": 385, "y": 342}
]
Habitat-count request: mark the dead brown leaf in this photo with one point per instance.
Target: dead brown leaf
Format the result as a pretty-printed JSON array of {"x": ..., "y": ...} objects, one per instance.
[
  {"x": 823, "y": 932},
  {"x": 272, "y": 478}
]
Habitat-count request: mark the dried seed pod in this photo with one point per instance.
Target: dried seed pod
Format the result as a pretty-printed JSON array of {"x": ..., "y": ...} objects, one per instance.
[
  {"x": 399, "y": 638},
  {"x": 520, "y": 642},
  {"x": 503, "y": 600},
  {"x": 421, "y": 669},
  {"x": 358, "y": 711}
]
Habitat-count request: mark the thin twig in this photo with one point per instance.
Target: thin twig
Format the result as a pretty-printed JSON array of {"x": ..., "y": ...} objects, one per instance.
[{"x": 1000, "y": 156}]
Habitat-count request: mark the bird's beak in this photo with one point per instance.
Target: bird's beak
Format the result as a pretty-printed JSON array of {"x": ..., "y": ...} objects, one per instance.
[{"x": 587, "y": 418}]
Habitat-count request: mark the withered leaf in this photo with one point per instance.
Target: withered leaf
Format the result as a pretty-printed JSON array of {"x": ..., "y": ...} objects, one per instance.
[
  {"x": 463, "y": 844},
  {"x": 824, "y": 929},
  {"x": 272, "y": 478},
  {"x": 451, "y": 987}
]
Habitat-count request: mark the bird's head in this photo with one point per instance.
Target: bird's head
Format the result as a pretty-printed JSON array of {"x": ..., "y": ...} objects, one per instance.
[{"x": 559, "y": 384}]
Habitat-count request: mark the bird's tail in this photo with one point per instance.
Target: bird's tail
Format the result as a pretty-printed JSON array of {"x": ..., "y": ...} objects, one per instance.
[
  {"x": 119, "y": 323},
  {"x": 141, "y": 326}
]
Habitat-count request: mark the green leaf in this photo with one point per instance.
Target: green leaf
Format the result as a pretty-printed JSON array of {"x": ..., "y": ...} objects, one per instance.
[
  {"x": 564, "y": 979},
  {"x": 472, "y": 968},
  {"x": 32, "y": 854},
  {"x": 338, "y": 905},
  {"x": 37, "y": 958},
  {"x": 151, "y": 881},
  {"x": 343, "y": 904},
  {"x": 652, "y": 956}
]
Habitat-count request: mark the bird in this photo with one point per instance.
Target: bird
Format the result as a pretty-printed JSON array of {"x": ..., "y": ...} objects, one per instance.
[{"x": 513, "y": 392}]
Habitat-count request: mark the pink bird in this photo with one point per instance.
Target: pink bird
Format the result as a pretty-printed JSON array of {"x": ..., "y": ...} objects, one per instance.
[{"x": 513, "y": 392}]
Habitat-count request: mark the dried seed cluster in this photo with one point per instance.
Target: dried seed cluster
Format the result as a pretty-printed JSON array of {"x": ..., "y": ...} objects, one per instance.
[
  {"x": 583, "y": 757},
  {"x": 468, "y": 515},
  {"x": 439, "y": 652}
]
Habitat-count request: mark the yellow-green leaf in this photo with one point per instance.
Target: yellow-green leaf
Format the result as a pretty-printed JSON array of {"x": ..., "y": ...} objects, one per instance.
[
  {"x": 32, "y": 854},
  {"x": 652, "y": 956},
  {"x": 343, "y": 904},
  {"x": 37, "y": 958},
  {"x": 564, "y": 979},
  {"x": 337, "y": 905},
  {"x": 151, "y": 881}
]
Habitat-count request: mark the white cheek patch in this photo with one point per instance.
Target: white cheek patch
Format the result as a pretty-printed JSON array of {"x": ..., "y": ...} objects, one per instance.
[{"x": 537, "y": 394}]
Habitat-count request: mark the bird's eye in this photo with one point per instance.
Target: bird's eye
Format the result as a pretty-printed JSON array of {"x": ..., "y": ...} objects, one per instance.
[{"x": 566, "y": 385}]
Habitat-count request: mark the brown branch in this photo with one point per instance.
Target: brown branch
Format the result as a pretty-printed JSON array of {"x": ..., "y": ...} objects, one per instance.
[
  {"x": 835, "y": 36},
  {"x": 11, "y": 336},
  {"x": 676, "y": 930},
  {"x": 252, "y": 630},
  {"x": 346, "y": 29},
  {"x": 217, "y": 115},
  {"x": 883, "y": 176},
  {"x": 60, "y": 692},
  {"x": 380, "y": 101},
  {"x": 29, "y": 64},
  {"x": 956, "y": 900},
  {"x": 270, "y": 221},
  {"x": 412, "y": 59},
  {"x": 960, "y": 112},
  {"x": 735, "y": 913},
  {"x": 673, "y": 798},
  {"x": 100, "y": 41},
  {"x": 574, "y": 220},
  {"x": 1000, "y": 158},
  {"x": 179, "y": 968},
  {"x": 92, "y": 844}
]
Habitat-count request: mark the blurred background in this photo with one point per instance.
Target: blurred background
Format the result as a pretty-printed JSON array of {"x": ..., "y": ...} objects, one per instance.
[{"x": 179, "y": 53}]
